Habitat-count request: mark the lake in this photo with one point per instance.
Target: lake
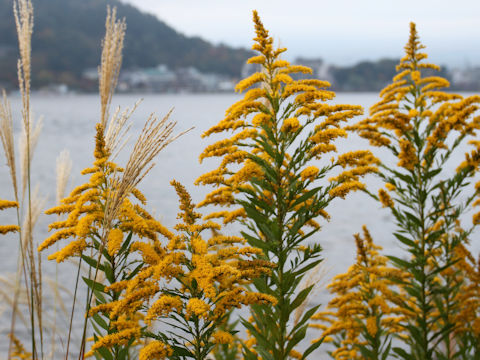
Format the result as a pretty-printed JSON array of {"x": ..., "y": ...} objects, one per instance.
[{"x": 69, "y": 123}]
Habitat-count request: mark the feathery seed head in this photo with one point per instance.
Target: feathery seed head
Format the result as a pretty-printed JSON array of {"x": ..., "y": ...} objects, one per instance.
[
  {"x": 6, "y": 138},
  {"x": 64, "y": 167},
  {"x": 111, "y": 60}
]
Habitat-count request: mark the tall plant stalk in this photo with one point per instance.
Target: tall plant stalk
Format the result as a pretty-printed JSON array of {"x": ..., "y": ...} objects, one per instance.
[
  {"x": 275, "y": 167},
  {"x": 422, "y": 126}
]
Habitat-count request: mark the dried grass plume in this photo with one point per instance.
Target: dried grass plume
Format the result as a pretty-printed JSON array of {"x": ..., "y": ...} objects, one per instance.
[
  {"x": 64, "y": 168},
  {"x": 111, "y": 61},
  {"x": 6, "y": 137}
]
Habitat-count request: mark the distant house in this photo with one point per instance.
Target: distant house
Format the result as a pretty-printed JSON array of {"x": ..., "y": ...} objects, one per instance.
[
  {"x": 90, "y": 74},
  {"x": 161, "y": 79},
  {"x": 156, "y": 79},
  {"x": 249, "y": 69}
]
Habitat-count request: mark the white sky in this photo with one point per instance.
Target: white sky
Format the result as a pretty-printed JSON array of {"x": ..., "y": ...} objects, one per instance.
[{"x": 341, "y": 31}]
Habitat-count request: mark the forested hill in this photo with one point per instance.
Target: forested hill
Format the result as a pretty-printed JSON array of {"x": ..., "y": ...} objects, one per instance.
[{"x": 67, "y": 38}]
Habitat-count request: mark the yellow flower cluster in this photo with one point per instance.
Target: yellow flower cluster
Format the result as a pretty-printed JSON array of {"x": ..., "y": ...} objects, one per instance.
[
  {"x": 114, "y": 241},
  {"x": 468, "y": 318},
  {"x": 197, "y": 307},
  {"x": 365, "y": 299},
  {"x": 222, "y": 337},
  {"x": 19, "y": 352},
  {"x": 212, "y": 274},
  {"x": 121, "y": 337},
  {"x": 85, "y": 207},
  {"x": 155, "y": 350},
  {"x": 290, "y": 125},
  {"x": 259, "y": 114},
  {"x": 309, "y": 173},
  {"x": 407, "y": 156},
  {"x": 6, "y": 204},
  {"x": 385, "y": 198},
  {"x": 393, "y": 119}
]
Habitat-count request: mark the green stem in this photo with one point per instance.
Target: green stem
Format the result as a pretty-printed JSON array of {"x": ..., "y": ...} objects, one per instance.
[{"x": 73, "y": 306}]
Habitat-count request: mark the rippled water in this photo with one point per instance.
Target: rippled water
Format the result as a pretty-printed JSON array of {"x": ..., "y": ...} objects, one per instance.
[{"x": 69, "y": 124}]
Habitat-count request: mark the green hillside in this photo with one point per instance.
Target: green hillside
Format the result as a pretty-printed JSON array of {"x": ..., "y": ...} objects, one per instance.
[{"x": 67, "y": 37}]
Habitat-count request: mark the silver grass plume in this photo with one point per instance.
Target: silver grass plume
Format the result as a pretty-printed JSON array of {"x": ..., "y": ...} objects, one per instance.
[
  {"x": 155, "y": 136},
  {"x": 23, "y": 11},
  {"x": 117, "y": 130},
  {"x": 6, "y": 137},
  {"x": 64, "y": 168},
  {"x": 111, "y": 60}
]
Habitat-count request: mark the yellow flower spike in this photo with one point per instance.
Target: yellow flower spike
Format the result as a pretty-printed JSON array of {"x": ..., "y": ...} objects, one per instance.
[
  {"x": 304, "y": 70},
  {"x": 61, "y": 234},
  {"x": 118, "y": 338},
  {"x": 4, "y": 229},
  {"x": 117, "y": 287},
  {"x": 259, "y": 59},
  {"x": 6, "y": 204},
  {"x": 390, "y": 187},
  {"x": 354, "y": 174},
  {"x": 407, "y": 156},
  {"x": 222, "y": 337},
  {"x": 362, "y": 299},
  {"x": 282, "y": 78},
  {"x": 114, "y": 241},
  {"x": 18, "y": 351},
  {"x": 163, "y": 306},
  {"x": 413, "y": 113},
  {"x": 385, "y": 198},
  {"x": 74, "y": 248},
  {"x": 327, "y": 135},
  {"x": 309, "y": 173},
  {"x": 343, "y": 189},
  {"x": 250, "y": 81},
  {"x": 290, "y": 125},
  {"x": 197, "y": 307},
  {"x": 156, "y": 350},
  {"x": 199, "y": 246}
]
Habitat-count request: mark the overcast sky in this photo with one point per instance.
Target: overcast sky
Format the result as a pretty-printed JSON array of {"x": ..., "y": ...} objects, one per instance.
[{"x": 340, "y": 31}]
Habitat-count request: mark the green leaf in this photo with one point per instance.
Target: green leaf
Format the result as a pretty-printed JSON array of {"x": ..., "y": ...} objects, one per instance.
[
  {"x": 94, "y": 285},
  {"x": 300, "y": 298},
  {"x": 126, "y": 242},
  {"x": 400, "y": 262},
  {"x": 311, "y": 349},
  {"x": 98, "y": 319},
  {"x": 105, "y": 353},
  {"x": 181, "y": 351},
  {"x": 401, "y": 352},
  {"x": 108, "y": 272},
  {"x": 404, "y": 240},
  {"x": 92, "y": 262},
  {"x": 309, "y": 194},
  {"x": 99, "y": 296},
  {"x": 294, "y": 339},
  {"x": 307, "y": 316},
  {"x": 134, "y": 272},
  {"x": 255, "y": 242}
]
